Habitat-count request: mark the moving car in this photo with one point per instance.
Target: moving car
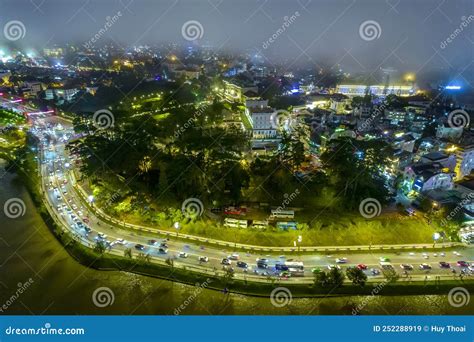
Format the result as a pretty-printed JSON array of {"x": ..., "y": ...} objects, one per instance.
[
  {"x": 226, "y": 261},
  {"x": 183, "y": 254},
  {"x": 462, "y": 264},
  {"x": 425, "y": 267},
  {"x": 406, "y": 267},
  {"x": 203, "y": 259},
  {"x": 233, "y": 256},
  {"x": 163, "y": 250},
  {"x": 361, "y": 267},
  {"x": 242, "y": 264},
  {"x": 444, "y": 264},
  {"x": 139, "y": 247},
  {"x": 341, "y": 260}
]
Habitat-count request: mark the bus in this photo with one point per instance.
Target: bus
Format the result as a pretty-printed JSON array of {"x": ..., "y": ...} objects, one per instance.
[
  {"x": 260, "y": 224},
  {"x": 286, "y": 225},
  {"x": 233, "y": 223},
  {"x": 296, "y": 268},
  {"x": 290, "y": 214}
]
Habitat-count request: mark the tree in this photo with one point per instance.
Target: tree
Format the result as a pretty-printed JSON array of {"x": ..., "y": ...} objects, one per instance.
[
  {"x": 127, "y": 253},
  {"x": 336, "y": 277},
  {"x": 357, "y": 276},
  {"x": 390, "y": 274},
  {"x": 321, "y": 279},
  {"x": 99, "y": 247},
  {"x": 228, "y": 275}
]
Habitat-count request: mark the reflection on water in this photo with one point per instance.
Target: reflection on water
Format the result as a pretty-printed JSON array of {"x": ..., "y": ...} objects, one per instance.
[{"x": 59, "y": 285}]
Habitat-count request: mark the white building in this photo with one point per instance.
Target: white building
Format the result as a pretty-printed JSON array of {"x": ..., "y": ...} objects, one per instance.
[
  {"x": 464, "y": 161},
  {"x": 264, "y": 123}
]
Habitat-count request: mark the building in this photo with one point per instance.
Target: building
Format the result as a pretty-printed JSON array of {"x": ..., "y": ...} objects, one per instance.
[
  {"x": 464, "y": 161},
  {"x": 264, "y": 123},
  {"x": 406, "y": 142},
  {"x": 378, "y": 90},
  {"x": 445, "y": 160},
  {"x": 425, "y": 177},
  {"x": 395, "y": 116},
  {"x": 447, "y": 132}
]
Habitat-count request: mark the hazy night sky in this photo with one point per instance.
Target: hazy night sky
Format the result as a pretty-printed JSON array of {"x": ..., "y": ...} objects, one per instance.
[{"x": 326, "y": 31}]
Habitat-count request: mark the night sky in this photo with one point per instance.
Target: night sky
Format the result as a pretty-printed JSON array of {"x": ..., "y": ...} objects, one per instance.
[{"x": 323, "y": 32}]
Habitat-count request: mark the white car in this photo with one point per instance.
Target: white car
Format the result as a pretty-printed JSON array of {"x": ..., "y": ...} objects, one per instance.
[
  {"x": 330, "y": 267},
  {"x": 203, "y": 259},
  {"x": 341, "y": 260},
  {"x": 233, "y": 256},
  {"x": 120, "y": 241},
  {"x": 183, "y": 255}
]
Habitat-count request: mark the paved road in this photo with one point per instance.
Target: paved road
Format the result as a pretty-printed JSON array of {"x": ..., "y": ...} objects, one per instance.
[{"x": 56, "y": 171}]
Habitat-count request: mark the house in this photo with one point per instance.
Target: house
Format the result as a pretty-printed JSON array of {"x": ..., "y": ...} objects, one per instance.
[
  {"x": 425, "y": 177},
  {"x": 446, "y": 160}
]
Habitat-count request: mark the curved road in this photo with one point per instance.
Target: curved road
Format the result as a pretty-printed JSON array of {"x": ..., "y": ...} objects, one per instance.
[{"x": 68, "y": 207}]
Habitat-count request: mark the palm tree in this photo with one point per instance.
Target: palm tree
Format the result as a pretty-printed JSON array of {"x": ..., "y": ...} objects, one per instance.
[{"x": 144, "y": 165}]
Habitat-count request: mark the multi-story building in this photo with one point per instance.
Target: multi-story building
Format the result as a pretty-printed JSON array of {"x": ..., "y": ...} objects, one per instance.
[
  {"x": 464, "y": 161},
  {"x": 425, "y": 177},
  {"x": 264, "y": 123},
  {"x": 445, "y": 131},
  {"x": 378, "y": 90},
  {"x": 445, "y": 160}
]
